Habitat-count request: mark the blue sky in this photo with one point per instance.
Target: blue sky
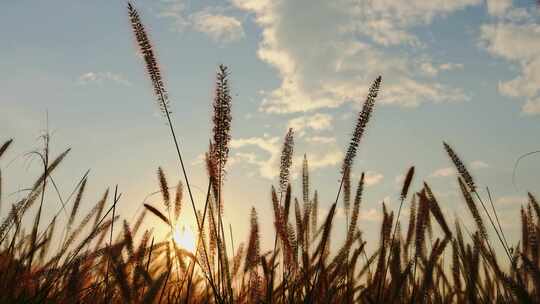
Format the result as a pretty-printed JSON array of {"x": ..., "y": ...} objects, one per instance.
[{"x": 463, "y": 71}]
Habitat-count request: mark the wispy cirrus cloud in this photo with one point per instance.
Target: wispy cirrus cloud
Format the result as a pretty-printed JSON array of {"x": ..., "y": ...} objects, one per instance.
[
  {"x": 220, "y": 28},
  {"x": 211, "y": 21},
  {"x": 102, "y": 78}
]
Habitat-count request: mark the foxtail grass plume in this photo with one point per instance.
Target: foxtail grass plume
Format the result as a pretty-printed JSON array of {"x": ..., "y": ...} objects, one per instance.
[
  {"x": 305, "y": 180},
  {"x": 222, "y": 117},
  {"x": 407, "y": 183},
  {"x": 151, "y": 64},
  {"x": 286, "y": 160},
  {"x": 462, "y": 170},
  {"x": 363, "y": 119},
  {"x": 253, "y": 249},
  {"x": 164, "y": 188},
  {"x": 178, "y": 200},
  {"x": 5, "y": 146}
]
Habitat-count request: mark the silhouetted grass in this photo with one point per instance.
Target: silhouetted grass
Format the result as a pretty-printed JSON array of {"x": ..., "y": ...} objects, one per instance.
[{"x": 306, "y": 265}]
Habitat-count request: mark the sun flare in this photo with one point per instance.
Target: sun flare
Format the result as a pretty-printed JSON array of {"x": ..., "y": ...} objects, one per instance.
[{"x": 184, "y": 238}]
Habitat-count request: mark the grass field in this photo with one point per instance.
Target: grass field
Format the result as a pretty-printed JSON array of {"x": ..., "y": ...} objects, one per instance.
[{"x": 102, "y": 258}]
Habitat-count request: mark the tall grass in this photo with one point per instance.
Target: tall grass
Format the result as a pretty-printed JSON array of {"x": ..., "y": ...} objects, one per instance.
[{"x": 100, "y": 259}]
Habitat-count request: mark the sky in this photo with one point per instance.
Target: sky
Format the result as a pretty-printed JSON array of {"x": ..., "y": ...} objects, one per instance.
[{"x": 462, "y": 71}]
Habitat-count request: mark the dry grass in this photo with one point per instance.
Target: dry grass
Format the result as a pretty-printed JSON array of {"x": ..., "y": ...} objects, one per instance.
[{"x": 97, "y": 260}]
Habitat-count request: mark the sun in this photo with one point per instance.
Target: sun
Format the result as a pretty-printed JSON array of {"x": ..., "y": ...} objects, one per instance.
[{"x": 184, "y": 238}]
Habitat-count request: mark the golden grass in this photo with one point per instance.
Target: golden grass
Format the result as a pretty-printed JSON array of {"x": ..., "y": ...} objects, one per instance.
[{"x": 304, "y": 266}]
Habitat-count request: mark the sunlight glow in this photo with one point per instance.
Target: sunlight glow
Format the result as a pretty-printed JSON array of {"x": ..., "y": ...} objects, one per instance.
[{"x": 184, "y": 238}]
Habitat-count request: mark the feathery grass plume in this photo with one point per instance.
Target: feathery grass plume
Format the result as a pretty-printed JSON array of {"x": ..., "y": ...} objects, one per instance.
[
  {"x": 363, "y": 119},
  {"x": 222, "y": 117},
  {"x": 460, "y": 166},
  {"x": 305, "y": 224},
  {"x": 412, "y": 222},
  {"x": 421, "y": 221},
  {"x": 76, "y": 204},
  {"x": 128, "y": 238},
  {"x": 533, "y": 241},
  {"x": 403, "y": 195},
  {"x": 119, "y": 272},
  {"x": 178, "y": 200},
  {"x": 472, "y": 208},
  {"x": 212, "y": 168},
  {"x": 52, "y": 166},
  {"x": 436, "y": 211},
  {"x": 48, "y": 239},
  {"x": 101, "y": 205},
  {"x": 152, "y": 292},
  {"x": 139, "y": 222},
  {"x": 315, "y": 212},
  {"x": 456, "y": 268},
  {"x": 5, "y": 146},
  {"x": 534, "y": 203},
  {"x": 0, "y": 190},
  {"x": 299, "y": 222},
  {"x": 407, "y": 183},
  {"x": 384, "y": 238},
  {"x": 164, "y": 188},
  {"x": 253, "y": 249},
  {"x": 356, "y": 207},
  {"x": 305, "y": 180},
  {"x": 347, "y": 194},
  {"x": 322, "y": 248},
  {"x": 152, "y": 67},
  {"x": 80, "y": 227},
  {"x": 287, "y": 203},
  {"x": 237, "y": 260},
  {"x": 352, "y": 229},
  {"x": 286, "y": 160},
  {"x": 157, "y": 213},
  {"x": 436, "y": 252}
]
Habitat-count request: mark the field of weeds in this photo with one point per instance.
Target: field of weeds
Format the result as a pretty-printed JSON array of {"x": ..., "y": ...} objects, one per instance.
[{"x": 102, "y": 258}]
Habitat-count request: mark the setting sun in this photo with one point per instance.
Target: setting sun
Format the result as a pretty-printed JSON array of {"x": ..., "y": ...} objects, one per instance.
[
  {"x": 184, "y": 238},
  {"x": 270, "y": 151}
]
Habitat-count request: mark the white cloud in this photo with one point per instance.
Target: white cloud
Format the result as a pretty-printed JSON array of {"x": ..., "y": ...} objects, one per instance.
[
  {"x": 429, "y": 69},
  {"x": 518, "y": 42},
  {"x": 329, "y": 54},
  {"x": 371, "y": 215},
  {"x": 267, "y": 162},
  {"x": 218, "y": 27},
  {"x": 449, "y": 66},
  {"x": 268, "y": 167},
  {"x": 101, "y": 78},
  {"x": 175, "y": 10},
  {"x": 532, "y": 106},
  {"x": 316, "y": 122},
  {"x": 373, "y": 178},
  {"x": 443, "y": 172},
  {"x": 210, "y": 21},
  {"x": 411, "y": 93},
  {"x": 478, "y": 164},
  {"x": 320, "y": 140},
  {"x": 498, "y": 7},
  {"x": 329, "y": 159}
]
